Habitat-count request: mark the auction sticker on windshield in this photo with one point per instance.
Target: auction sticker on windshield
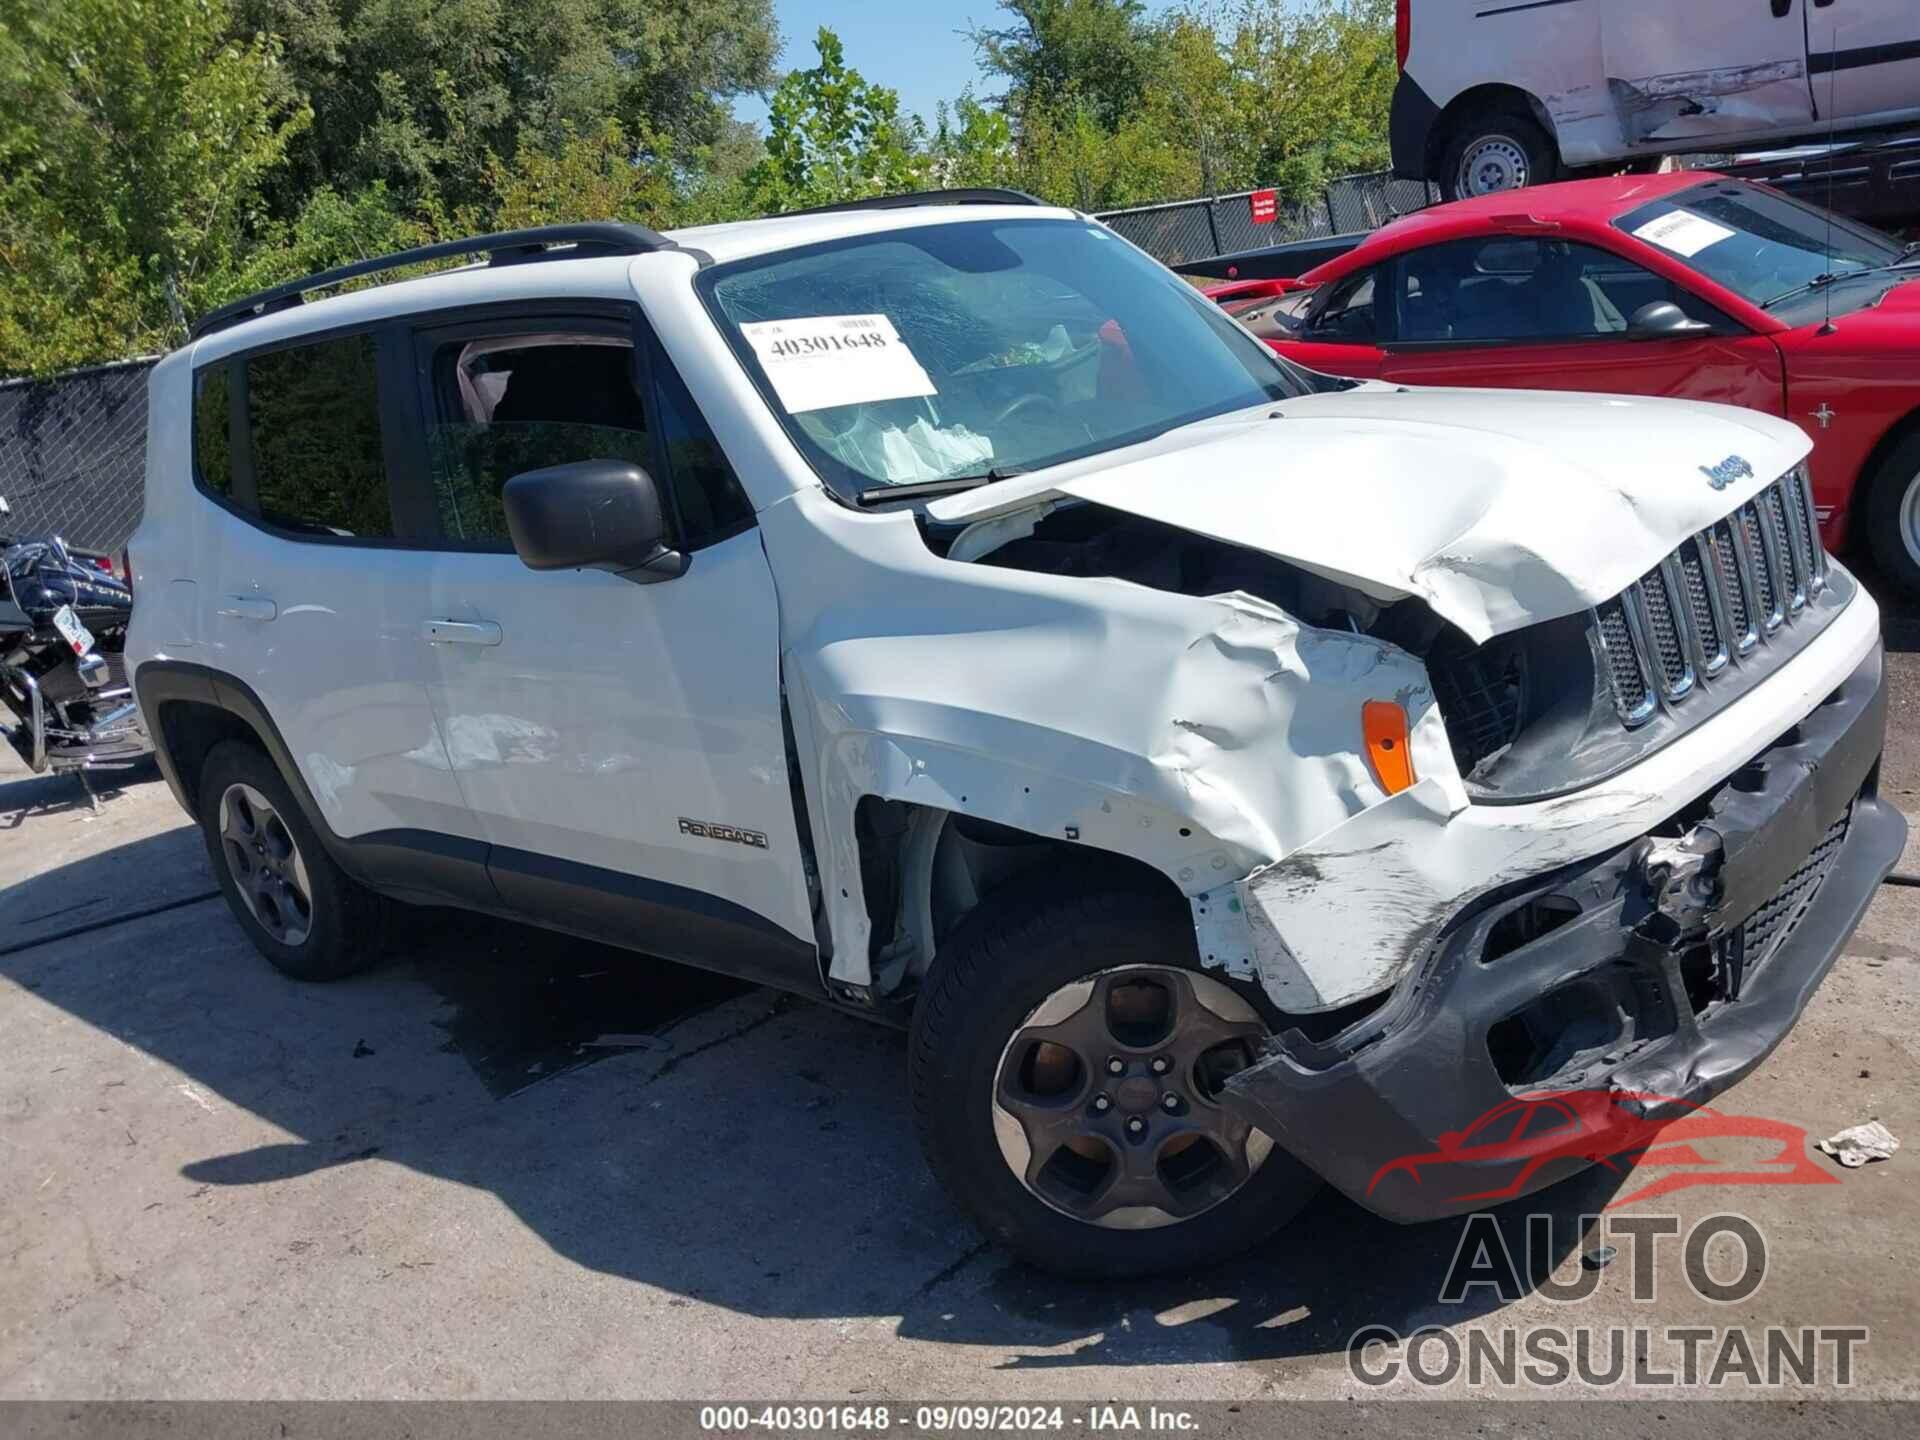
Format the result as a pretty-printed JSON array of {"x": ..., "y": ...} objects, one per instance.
[
  {"x": 819, "y": 361},
  {"x": 1684, "y": 233}
]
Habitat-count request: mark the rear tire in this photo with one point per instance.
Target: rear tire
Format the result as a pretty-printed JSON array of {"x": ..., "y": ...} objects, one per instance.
[
  {"x": 1018, "y": 955},
  {"x": 1494, "y": 150},
  {"x": 1893, "y": 515},
  {"x": 299, "y": 908}
]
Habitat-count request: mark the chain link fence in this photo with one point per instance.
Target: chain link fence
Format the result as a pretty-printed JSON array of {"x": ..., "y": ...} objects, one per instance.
[
  {"x": 73, "y": 454},
  {"x": 1186, "y": 230}
]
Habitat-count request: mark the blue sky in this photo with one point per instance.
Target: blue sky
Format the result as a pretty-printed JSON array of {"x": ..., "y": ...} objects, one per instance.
[{"x": 913, "y": 45}]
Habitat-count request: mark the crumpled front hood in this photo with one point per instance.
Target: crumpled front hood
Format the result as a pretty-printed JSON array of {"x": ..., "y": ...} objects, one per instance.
[{"x": 1499, "y": 508}]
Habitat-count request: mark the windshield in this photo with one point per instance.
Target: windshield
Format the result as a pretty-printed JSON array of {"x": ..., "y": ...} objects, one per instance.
[
  {"x": 980, "y": 349},
  {"x": 1771, "y": 250}
]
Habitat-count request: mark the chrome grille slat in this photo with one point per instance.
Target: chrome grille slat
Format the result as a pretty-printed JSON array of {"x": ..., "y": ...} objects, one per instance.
[
  {"x": 1663, "y": 641},
  {"x": 1786, "y": 550},
  {"x": 1734, "y": 585},
  {"x": 1762, "y": 567},
  {"x": 1805, "y": 520},
  {"x": 1632, "y": 684},
  {"x": 1713, "y": 602},
  {"x": 1695, "y": 564}
]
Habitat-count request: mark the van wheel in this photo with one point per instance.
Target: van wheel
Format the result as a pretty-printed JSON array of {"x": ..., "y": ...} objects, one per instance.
[
  {"x": 1893, "y": 515},
  {"x": 1495, "y": 150},
  {"x": 299, "y": 908},
  {"x": 1066, "y": 1063}
]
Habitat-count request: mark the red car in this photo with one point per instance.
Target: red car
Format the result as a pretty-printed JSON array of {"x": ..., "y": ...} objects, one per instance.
[{"x": 1689, "y": 285}]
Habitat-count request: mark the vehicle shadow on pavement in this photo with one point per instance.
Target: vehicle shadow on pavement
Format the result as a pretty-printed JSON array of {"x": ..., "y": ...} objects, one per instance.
[{"x": 732, "y": 1146}]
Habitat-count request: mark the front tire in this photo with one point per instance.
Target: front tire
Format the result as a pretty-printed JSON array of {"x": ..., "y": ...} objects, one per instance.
[
  {"x": 1065, "y": 1060},
  {"x": 1893, "y": 515},
  {"x": 1495, "y": 150},
  {"x": 299, "y": 908}
]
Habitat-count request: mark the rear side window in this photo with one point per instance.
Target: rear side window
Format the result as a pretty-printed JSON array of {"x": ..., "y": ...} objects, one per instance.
[
  {"x": 212, "y": 415},
  {"x": 309, "y": 457},
  {"x": 313, "y": 415}
]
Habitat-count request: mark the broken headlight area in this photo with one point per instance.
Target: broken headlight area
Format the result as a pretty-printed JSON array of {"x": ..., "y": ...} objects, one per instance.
[
  {"x": 1584, "y": 698},
  {"x": 1641, "y": 945},
  {"x": 1515, "y": 708},
  {"x": 1542, "y": 711},
  {"x": 1665, "y": 970}
]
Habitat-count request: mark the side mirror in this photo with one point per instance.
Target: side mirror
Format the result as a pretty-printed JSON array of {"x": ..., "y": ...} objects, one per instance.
[
  {"x": 592, "y": 514},
  {"x": 1663, "y": 320}
]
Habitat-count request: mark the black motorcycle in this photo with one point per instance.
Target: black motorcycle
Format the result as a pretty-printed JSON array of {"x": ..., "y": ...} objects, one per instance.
[{"x": 63, "y": 671}]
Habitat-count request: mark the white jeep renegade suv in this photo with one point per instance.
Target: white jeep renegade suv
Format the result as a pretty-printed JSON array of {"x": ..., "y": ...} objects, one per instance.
[{"x": 1237, "y": 778}]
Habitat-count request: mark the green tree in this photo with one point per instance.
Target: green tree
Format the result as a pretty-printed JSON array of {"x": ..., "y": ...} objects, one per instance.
[
  {"x": 134, "y": 137},
  {"x": 832, "y": 135},
  {"x": 1061, "y": 55},
  {"x": 972, "y": 145},
  {"x": 585, "y": 177},
  {"x": 1070, "y": 158},
  {"x": 1197, "y": 98},
  {"x": 430, "y": 95},
  {"x": 1316, "y": 82},
  {"x": 1108, "y": 107}
]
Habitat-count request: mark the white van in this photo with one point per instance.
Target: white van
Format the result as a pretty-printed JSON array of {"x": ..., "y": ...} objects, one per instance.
[{"x": 1499, "y": 94}]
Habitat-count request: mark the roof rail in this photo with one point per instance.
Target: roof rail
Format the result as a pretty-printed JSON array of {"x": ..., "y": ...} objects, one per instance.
[
  {"x": 976, "y": 196},
  {"x": 510, "y": 247}
]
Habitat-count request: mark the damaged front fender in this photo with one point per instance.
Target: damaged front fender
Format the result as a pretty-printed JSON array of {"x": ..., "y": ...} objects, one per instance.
[{"x": 1206, "y": 737}]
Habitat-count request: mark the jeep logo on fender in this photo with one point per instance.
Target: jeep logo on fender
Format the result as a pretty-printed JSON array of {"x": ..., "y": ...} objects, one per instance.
[
  {"x": 706, "y": 829},
  {"x": 1734, "y": 467}
]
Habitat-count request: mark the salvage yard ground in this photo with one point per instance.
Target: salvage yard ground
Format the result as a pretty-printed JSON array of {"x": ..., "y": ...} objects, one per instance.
[{"x": 506, "y": 1164}]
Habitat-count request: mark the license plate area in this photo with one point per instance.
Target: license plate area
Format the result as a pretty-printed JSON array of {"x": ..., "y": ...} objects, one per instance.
[{"x": 77, "y": 636}]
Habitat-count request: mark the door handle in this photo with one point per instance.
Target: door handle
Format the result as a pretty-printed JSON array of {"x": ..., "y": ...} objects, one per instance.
[
  {"x": 461, "y": 632},
  {"x": 247, "y": 607}
]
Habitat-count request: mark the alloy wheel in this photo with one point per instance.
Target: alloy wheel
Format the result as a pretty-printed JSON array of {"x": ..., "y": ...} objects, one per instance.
[
  {"x": 266, "y": 865},
  {"x": 1910, "y": 520},
  {"x": 1106, "y": 1100}
]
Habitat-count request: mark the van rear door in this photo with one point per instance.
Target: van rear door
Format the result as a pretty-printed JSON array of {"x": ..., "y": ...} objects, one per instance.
[{"x": 1706, "y": 70}]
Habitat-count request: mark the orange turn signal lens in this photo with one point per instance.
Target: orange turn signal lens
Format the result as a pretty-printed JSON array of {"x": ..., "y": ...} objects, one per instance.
[{"x": 1385, "y": 726}]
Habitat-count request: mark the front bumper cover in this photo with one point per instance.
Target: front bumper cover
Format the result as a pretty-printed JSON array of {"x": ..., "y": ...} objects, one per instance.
[{"x": 1670, "y": 968}]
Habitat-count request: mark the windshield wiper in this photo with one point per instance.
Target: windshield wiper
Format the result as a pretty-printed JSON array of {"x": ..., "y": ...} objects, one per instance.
[
  {"x": 927, "y": 489},
  {"x": 1819, "y": 282}
]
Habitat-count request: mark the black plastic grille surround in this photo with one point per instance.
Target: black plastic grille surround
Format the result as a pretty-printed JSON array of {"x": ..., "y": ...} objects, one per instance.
[
  {"x": 1773, "y": 922},
  {"x": 1712, "y": 603}
]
